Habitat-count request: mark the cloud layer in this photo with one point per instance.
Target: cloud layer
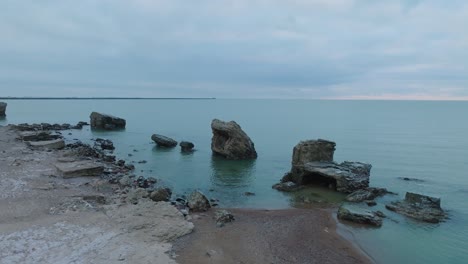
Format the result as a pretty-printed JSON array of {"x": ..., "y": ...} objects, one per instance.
[{"x": 235, "y": 48}]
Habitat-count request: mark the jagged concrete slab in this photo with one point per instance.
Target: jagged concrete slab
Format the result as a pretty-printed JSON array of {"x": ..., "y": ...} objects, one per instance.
[
  {"x": 48, "y": 144},
  {"x": 79, "y": 168}
]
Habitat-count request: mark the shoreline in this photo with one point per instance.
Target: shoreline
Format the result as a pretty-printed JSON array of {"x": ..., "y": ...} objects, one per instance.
[{"x": 42, "y": 208}]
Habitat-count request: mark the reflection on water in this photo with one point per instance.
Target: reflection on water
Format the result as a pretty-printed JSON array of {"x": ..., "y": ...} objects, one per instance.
[{"x": 232, "y": 173}]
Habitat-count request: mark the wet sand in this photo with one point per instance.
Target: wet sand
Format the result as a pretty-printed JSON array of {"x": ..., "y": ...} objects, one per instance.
[{"x": 267, "y": 236}]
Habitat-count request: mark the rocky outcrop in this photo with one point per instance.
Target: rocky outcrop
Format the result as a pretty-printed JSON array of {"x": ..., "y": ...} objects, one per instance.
[
  {"x": 3, "y": 107},
  {"x": 231, "y": 142},
  {"x": 104, "y": 144},
  {"x": 359, "y": 216},
  {"x": 366, "y": 194},
  {"x": 164, "y": 141},
  {"x": 345, "y": 177},
  {"x": 47, "y": 126},
  {"x": 420, "y": 207},
  {"x": 186, "y": 146},
  {"x": 312, "y": 163},
  {"x": 107, "y": 122},
  {"x": 313, "y": 150},
  {"x": 197, "y": 202}
]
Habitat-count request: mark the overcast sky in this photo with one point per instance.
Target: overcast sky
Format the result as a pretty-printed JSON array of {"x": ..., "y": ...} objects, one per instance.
[{"x": 408, "y": 49}]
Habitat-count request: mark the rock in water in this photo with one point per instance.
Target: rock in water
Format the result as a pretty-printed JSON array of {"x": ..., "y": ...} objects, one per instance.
[
  {"x": 186, "y": 146},
  {"x": 231, "y": 142},
  {"x": 197, "y": 202},
  {"x": 420, "y": 207},
  {"x": 345, "y": 177},
  {"x": 3, "y": 107},
  {"x": 366, "y": 194},
  {"x": 359, "y": 216},
  {"x": 164, "y": 141},
  {"x": 313, "y": 150},
  {"x": 49, "y": 144},
  {"x": 107, "y": 122}
]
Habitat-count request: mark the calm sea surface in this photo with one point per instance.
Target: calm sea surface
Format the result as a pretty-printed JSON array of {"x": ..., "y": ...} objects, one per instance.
[{"x": 424, "y": 140}]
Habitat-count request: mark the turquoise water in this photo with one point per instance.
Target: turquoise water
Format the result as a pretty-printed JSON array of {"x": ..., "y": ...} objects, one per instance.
[{"x": 424, "y": 140}]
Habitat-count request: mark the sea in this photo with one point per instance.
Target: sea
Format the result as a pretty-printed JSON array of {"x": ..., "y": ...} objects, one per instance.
[{"x": 426, "y": 140}]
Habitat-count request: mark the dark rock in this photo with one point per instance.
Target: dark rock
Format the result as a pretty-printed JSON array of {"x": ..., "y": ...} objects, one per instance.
[
  {"x": 366, "y": 194},
  {"x": 161, "y": 194},
  {"x": 107, "y": 122},
  {"x": 249, "y": 194},
  {"x": 142, "y": 161},
  {"x": 197, "y": 202},
  {"x": 410, "y": 179},
  {"x": 380, "y": 214},
  {"x": 120, "y": 163},
  {"x": 164, "y": 141},
  {"x": 186, "y": 146},
  {"x": 371, "y": 203},
  {"x": 420, "y": 207},
  {"x": 3, "y": 107},
  {"x": 287, "y": 186},
  {"x": 222, "y": 217},
  {"x": 104, "y": 144},
  {"x": 231, "y": 142},
  {"x": 359, "y": 216},
  {"x": 345, "y": 177}
]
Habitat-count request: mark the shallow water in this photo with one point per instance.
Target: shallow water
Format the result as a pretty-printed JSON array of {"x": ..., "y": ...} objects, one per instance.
[{"x": 424, "y": 140}]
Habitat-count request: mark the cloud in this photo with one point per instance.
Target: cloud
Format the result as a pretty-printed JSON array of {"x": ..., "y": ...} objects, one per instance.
[{"x": 242, "y": 49}]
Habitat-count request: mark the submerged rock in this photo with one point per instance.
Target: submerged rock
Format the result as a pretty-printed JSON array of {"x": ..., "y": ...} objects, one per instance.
[
  {"x": 288, "y": 186},
  {"x": 366, "y": 194},
  {"x": 186, "y": 146},
  {"x": 197, "y": 202},
  {"x": 3, "y": 107},
  {"x": 359, "y": 216},
  {"x": 107, "y": 122},
  {"x": 222, "y": 217},
  {"x": 164, "y": 141},
  {"x": 420, "y": 207},
  {"x": 231, "y": 142}
]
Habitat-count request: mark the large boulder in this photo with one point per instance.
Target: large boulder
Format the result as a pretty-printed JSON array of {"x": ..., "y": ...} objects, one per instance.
[
  {"x": 359, "y": 216},
  {"x": 79, "y": 168},
  {"x": 420, "y": 207},
  {"x": 231, "y": 142},
  {"x": 48, "y": 144},
  {"x": 107, "y": 122},
  {"x": 313, "y": 150},
  {"x": 3, "y": 107},
  {"x": 345, "y": 177},
  {"x": 161, "y": 194},
  {"x": 197, "y": 202},
  {"x": 164, "y": 141}
]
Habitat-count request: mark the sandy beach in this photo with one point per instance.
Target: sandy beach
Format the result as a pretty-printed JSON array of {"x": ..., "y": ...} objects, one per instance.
[{"x": 50, "y": 219}]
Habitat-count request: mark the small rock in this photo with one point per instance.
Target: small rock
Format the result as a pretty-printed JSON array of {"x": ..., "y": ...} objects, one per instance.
[
  {"x": 371, "y": 203},
  {"x": 359, "y": 216},
  {"x": 186, "y": 146},
  {"x": 161, "y": 194},
  {"x": 366, "y": 194},
  {"x": 134, "y": 195},
  {"x": 222, "y": 217},
  {"x": 163, "y": 141},
  {"x": 249, "y": 194},
  {"x": 197, "y": 202},
  {"x": 420, "y": 207}
]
